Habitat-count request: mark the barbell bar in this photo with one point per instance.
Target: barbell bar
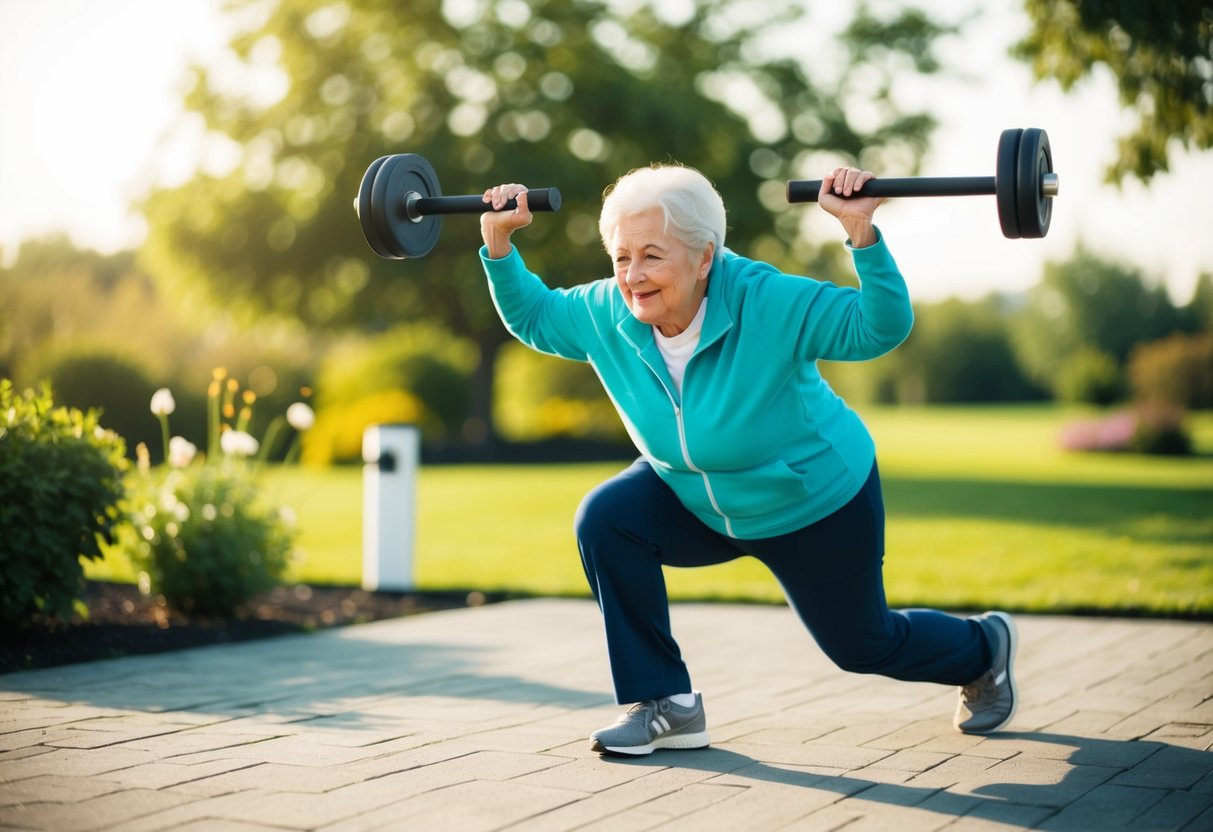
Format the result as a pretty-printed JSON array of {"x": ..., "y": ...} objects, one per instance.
[
  {"x": 1023, "y": 184},
  {"x": 400, "y": 205}
]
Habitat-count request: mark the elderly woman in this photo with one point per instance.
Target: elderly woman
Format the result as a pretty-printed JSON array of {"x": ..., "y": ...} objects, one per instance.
[{"x": 711, "y": 361}]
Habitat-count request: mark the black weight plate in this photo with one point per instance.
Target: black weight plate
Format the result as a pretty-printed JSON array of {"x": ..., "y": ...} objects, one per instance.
[
  {"x": 1005, "y": 182},
  {"x": 369, "y": 230},
  {"x": 399, "y": 176},
  {"x": 1032, "y": 208},
  {"x": 385, "y": 209}
]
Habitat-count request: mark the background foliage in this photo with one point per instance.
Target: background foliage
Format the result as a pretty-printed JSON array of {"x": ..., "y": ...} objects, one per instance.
[{"x": 1161, "y": 55}]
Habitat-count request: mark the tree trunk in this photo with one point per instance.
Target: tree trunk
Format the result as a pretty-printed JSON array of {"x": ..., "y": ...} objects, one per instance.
[{"x": 481, "y": 432}]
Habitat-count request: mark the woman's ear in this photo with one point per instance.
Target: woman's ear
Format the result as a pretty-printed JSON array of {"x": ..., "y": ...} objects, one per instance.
[{"x": 705, "y": 261}]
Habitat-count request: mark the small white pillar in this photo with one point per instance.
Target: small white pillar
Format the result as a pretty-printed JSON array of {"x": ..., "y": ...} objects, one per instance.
[{"x": 389, "y": 517}]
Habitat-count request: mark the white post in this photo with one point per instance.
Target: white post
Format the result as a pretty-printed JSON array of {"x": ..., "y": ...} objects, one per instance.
[{"x": 389, "y": 476}]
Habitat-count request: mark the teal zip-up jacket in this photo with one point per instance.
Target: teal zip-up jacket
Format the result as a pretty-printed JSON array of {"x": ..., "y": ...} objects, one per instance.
[{"x": 757, "y": 444}]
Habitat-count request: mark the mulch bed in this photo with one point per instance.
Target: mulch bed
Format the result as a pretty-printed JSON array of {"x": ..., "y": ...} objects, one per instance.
[{"x": 124, "y": 622}]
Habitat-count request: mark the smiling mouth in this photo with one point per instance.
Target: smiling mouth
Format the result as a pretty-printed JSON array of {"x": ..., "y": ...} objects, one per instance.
[{"x": 643, "y": 295}]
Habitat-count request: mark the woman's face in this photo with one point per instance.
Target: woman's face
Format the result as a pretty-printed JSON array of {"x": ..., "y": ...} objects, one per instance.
[{"x": 656, "y": 275}]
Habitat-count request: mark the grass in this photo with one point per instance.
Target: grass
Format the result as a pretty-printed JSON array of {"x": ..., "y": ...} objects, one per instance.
[{"x": 983, "y": 510}]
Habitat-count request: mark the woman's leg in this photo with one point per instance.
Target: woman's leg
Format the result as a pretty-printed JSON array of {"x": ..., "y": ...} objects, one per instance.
[
  {"x": 832, "y": 574},
  {"x": 627, "y": 528}
]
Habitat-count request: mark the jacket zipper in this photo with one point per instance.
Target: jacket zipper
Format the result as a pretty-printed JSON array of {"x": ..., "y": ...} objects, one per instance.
[{"x": 686, "y": 457}]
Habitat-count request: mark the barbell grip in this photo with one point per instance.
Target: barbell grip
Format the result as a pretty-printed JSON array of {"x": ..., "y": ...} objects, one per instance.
[
  {"x": 806, "y": 190},
  {"x": 539, "y": 199}
]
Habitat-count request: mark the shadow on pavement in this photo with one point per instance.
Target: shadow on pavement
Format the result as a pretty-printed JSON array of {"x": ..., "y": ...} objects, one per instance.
[{"x": 1089, "y": 762}]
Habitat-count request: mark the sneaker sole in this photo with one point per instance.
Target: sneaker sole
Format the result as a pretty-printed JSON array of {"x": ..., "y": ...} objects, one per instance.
[
  {"x": 678, "y": 741},
  {"x": 1011, "y": 648}
]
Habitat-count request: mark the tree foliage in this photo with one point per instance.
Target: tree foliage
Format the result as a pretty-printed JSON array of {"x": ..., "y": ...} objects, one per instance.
[
  {"x": 550, "y": 92},
  {"x": 1161, "y": 55},
  {"x": 1093, "y": 304}
]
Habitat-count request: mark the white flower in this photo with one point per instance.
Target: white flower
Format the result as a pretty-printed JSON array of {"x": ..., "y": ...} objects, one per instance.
[
  {"x": 181, "y": 451},
  {"x": 300, "y": 416},
  {"x": 162, "y": 402},
  {"x": 238, "y": 443}
]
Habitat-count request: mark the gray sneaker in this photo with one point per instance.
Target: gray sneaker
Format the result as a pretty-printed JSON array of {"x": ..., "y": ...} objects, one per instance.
[
  {"x": 657, "y": 723},
  {"x": 988, "y": 703}
]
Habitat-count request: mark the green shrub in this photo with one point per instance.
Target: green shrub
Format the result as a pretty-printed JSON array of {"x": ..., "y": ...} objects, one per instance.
[
  {"x": 205, "y": 539},
  {"x": 60, "y": 492},
  {"x": 1089, "y": 376},
  {"x": 116, "y": 384},
  {"x": 1160, "y": 430},
  {"x": 540, "y": 397},
  {"x": 424, "y": 362},
  {"x": 202, "y": 535},
  {"x": 1177, "y": 369}
]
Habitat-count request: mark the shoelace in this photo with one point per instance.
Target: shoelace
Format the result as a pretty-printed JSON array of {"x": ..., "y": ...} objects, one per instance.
[
  {"x": 640, "y": 709},
  {"x": 981, "y": 693}
]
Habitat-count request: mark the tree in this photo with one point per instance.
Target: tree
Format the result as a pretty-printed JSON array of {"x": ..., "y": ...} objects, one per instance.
[
  {"x": 1088, "y": 304},
  {"x": 549, "y": 92},
  {"x": 961, "y": 351},
  {"x": 1161, "y": 55},
  {"x": 1199, "y": 311}
]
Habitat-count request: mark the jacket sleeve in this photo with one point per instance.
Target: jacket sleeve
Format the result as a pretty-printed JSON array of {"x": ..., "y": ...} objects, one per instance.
[
  {"x": 554, "y": 321},
  {"x": 814, "y": 319}
]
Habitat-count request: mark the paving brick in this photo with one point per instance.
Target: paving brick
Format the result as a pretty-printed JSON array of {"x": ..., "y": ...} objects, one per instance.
[
  {"x": 52, "y": 788},
  {"x": 589, "y": 775},
  {"x": 73, "y": 762},
  {"x": 469, "y": 807},
  {"x": 208, "y": 825},
  {"x": 937, "y": 812},
  {"x": 914, "y": 734},
  {"x": 647, "y": 784},
  {"x": 1195, "y": 735},
  {"x": 914, "y": 761},
  {"x": 1201, "y": 823},
  {"x": 1035, "y": 782},
  {"x": 956, "y": 769},
  {"x": 115, "y": 809},
  {"x": 1000, "y": 816},
  {"x": 1169, "y": 768},
  {"x": 809, "y": 754},
  {"x": 160, "y": 775},
  {"x": 1105, "y": 807},
  {"x": 270, "y": 777},
  {"x": 637, "y": 820},
  {"x": 1173, "y": 811}
]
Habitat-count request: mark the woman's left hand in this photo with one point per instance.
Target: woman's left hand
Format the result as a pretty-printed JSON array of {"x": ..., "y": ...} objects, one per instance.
[{"x": 855, "y": 212}]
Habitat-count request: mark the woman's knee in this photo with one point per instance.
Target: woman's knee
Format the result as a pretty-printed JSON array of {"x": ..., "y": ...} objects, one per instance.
[
  {"x": 613, "y": 503},
  {"x": 598, "y": 512},
  {"x": 874, "y": 651}
]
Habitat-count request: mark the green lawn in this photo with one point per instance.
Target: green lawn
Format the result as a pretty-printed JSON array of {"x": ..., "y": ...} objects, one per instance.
[{"x": 983, "y": 510}]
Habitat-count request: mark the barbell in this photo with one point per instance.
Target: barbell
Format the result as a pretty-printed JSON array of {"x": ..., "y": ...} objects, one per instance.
[
  {"x": 400, "y": 205},
  {"x": 1023, "y": 184}
]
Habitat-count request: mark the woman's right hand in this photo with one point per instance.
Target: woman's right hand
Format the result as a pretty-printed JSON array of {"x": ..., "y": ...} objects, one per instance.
[{"x": 496, "y": 225}]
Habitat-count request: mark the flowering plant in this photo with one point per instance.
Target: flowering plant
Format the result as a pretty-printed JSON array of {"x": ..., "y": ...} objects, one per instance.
[{"x": 204, "y": 536}]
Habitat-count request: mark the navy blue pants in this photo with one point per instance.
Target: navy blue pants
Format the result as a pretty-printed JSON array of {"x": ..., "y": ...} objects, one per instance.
[{"x": 632, "y": 525}]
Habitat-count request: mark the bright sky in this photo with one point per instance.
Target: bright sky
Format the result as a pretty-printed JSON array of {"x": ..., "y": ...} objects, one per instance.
[{"x": 88, "y": 92}]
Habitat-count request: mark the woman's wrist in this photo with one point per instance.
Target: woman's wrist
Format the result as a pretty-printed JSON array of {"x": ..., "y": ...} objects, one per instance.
[
  {"x": 498, "y": 245},
  {"x": 861, "y": 234}
]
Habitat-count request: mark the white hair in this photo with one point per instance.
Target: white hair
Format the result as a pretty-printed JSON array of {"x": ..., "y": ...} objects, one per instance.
[{"x": 693, "y": 209}]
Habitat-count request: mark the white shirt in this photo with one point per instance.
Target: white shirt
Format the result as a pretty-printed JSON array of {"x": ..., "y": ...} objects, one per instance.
[{"x": 677, "y": 350}]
